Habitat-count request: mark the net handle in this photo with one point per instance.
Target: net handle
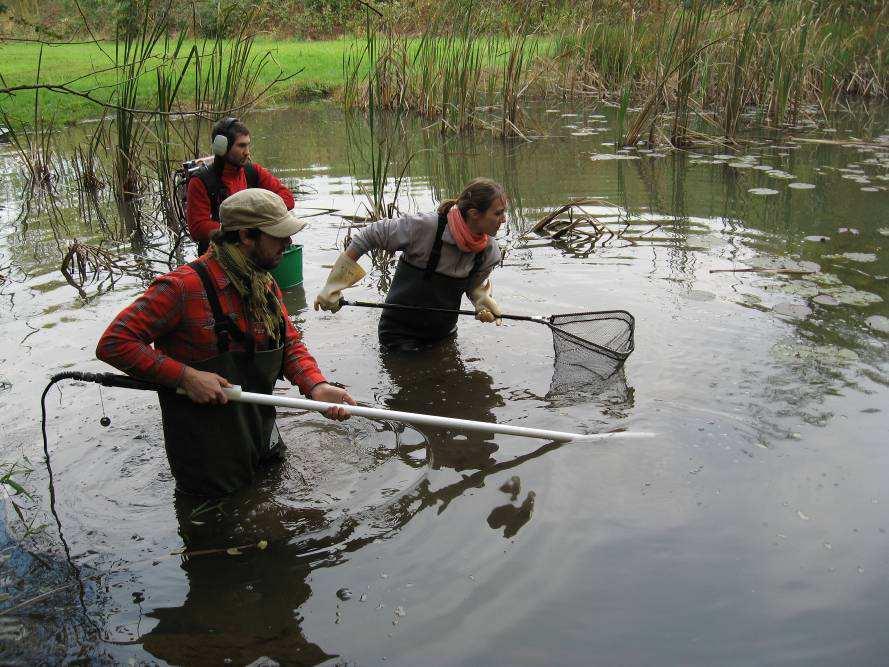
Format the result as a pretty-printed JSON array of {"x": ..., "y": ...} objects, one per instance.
[{"x": 429, "y": 309}]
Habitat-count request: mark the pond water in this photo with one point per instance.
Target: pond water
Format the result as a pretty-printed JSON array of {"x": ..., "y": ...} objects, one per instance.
[{"x": 751, "y": 529}]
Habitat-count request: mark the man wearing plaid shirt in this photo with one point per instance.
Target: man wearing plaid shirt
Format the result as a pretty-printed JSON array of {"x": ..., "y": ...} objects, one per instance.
[{"x": 216, "y": 322}]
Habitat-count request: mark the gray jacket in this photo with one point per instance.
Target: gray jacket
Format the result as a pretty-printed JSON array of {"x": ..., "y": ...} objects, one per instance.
[{"x": 414, "y": 235}]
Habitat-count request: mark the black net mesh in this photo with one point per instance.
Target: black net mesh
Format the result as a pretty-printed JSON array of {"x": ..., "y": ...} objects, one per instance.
[{"x": 590, "y": 346}]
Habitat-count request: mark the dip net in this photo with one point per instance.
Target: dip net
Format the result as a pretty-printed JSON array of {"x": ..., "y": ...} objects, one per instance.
[{"x": 590, "y": 347}]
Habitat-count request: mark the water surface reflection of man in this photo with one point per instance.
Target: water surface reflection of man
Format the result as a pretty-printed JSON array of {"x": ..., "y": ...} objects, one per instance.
[{"x": 243, "y": 606}]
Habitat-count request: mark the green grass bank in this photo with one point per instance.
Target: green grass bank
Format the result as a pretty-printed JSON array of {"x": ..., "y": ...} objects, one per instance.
[{"x": 315, "y": 69}]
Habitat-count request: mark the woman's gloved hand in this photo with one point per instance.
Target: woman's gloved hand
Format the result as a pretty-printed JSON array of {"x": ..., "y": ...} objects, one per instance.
[
  {"x": 486, "y": 309},
  {"x": 345, "y": 273}
]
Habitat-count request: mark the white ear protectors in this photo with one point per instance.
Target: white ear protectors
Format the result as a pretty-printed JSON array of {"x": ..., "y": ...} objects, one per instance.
[
  {"x": 220, "y": 145},
  {"x": 221, "y": 141}
]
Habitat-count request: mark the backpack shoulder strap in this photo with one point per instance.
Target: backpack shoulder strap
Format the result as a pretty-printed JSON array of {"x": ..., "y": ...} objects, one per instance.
[
  {"x": 252, "y": 175},
  {"x": 216, "y": 190}
]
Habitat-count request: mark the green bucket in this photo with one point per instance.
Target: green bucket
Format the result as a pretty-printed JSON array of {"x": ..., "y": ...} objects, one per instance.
[{"x": 289, "y": 272}]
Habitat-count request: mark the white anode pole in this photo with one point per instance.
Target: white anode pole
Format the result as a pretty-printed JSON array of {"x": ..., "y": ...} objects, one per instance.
[{"x": 236, "y": 394}]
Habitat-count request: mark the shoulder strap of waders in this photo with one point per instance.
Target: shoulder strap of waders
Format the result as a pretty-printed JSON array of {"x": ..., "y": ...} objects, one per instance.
[
  {"x": 252, "y": 175},
  {"x": 223, "y": 326},
  {"x": 435, "y": 254},
  {"x": 282, "y": 328},
  {"x": 216, "y": 190},
  {"x": 477, "y": 262}
]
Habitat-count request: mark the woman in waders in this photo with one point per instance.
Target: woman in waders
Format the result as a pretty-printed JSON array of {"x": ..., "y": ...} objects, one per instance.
[{"x": 444, "y": 254}]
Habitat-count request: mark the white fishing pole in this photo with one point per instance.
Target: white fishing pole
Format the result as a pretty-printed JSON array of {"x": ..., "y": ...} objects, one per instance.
[{"x": 235, "y": 393}]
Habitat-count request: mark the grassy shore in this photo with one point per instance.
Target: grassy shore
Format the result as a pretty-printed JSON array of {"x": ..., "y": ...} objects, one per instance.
[{"x": 316, "y": 69}]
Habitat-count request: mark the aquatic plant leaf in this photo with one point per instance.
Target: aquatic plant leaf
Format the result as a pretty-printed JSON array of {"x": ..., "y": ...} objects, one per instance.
[
  {"x": 801, "y": 186},
  {"x": 825, "y": 279},
  {"x": 878, "y": 323},
  {"x": 863, "y": 257},
  {"x": 801, "y": 288},
  {"x": 232, "y": 551},
  {"x": 700, "y": 295},
  {"x": 797, "y": 310},
  {"x": 852, "y": 297},
  {"x": 762, "y": 191},
  {"x": 613, "y": 156},
  {"x": 769, "y": 262},
  {"x": 825, "y": 300},
  {"x": 826, "y": 354}
]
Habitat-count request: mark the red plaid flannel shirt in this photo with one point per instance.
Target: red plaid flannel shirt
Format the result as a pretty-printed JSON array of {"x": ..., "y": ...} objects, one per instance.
[{"x": 174, "y": 314}]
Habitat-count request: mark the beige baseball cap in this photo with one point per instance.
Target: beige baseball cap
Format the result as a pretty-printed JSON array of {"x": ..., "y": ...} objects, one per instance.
[{"x": 257, "y": 208}]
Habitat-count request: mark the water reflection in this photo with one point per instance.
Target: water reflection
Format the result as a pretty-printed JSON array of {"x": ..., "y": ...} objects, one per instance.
[
  {"x": 510, "y": 517},
  {"x": 436, "y": 381},
  {"x": 242, "y": 606}
]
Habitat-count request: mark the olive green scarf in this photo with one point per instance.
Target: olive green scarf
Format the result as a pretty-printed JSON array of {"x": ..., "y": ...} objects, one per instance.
[{"x": 252, "y": 284}]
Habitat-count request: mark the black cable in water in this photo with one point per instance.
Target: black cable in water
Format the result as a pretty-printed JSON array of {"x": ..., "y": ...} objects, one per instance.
[
  {"x": 108, "y": 380},
  {"x": 105, "y": 379}
]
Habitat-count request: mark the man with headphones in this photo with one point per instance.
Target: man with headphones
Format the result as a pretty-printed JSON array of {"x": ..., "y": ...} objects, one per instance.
[{"x": 231, "y": 171}]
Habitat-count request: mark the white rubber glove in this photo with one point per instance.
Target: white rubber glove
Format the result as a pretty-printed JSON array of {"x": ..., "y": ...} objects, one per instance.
[
  {"x": 486, "y": 309},
  {"x": 345, "y": 273}
]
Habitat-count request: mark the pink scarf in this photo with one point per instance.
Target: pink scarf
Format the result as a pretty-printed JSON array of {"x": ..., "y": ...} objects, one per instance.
[{"x": 467, "y": 240}]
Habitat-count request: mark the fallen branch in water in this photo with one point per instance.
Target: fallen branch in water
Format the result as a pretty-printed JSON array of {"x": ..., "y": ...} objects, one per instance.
[
  {"x": 36, "y": 598},
  {"x": 796, "y": 272}
]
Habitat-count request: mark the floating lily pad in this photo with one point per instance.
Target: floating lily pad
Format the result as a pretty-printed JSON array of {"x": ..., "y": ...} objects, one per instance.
[
  {"x": 749, "y": 300},
  {"x": 801, "y": 186},
  {"x": 762, "y": 191},
  {"x": 826, "y": 354},
  {"x": 826, "y": 279},
  {"x": 817, "y": 239},
  {"x": 848, "y": 230},
  {"x": 878, "y": 323},
  {"x": 863, "y": 257},
  {"x": 766, "y": 262},
  {"x": 700, "y": 295},
  {"x": 612, "y": 156},
  {"x": 797, "y": 310},
  {"x": 800, "y": 288},
  {"x": 825, "y": 300},
  {"x": 870, "y": 189},
  {"x": 884, "y": 231},
  {"x": 852, "y": 297}
]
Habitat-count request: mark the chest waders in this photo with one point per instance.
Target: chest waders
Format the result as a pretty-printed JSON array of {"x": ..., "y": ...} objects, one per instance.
[
  {"x": 413, "y": 286},
  {"x": 214, "y": 450}
]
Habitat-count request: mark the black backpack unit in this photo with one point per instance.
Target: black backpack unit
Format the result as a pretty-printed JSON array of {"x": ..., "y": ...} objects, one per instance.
[{"x": 203, "y": 168}]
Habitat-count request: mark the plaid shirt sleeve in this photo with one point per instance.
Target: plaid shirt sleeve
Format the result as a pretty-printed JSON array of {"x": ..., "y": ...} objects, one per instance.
[
  {"x": 300, "y": 367},
  {"x": 127, "y": 342}
]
